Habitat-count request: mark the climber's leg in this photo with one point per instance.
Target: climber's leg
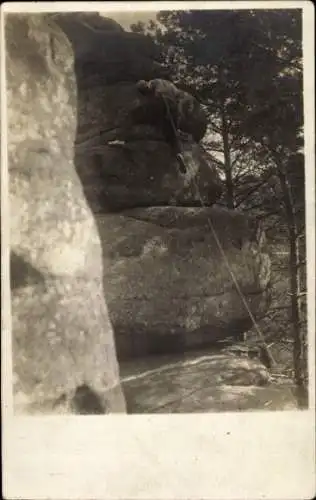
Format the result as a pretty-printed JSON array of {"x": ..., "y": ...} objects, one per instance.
[{"x": 181, "y": 163}]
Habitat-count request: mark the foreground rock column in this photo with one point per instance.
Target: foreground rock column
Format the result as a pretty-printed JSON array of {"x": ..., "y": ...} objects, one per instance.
[{"x": 64, "y": 357}]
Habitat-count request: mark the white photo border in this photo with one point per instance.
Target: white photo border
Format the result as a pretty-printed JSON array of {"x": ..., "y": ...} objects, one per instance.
[{"x": 217, "y": 456}]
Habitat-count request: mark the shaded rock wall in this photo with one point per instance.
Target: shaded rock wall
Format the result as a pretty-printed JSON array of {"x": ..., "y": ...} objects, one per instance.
[
  {"x": 105, "y": 53},
  {"x": 168, "y": 288},
  {"x": 122, "y": 155},
  {"x": 64, "y": 357}
]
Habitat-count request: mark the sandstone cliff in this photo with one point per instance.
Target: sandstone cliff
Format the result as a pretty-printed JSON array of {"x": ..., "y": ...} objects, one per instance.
[
  {"x": 64, "y": 355},
  {"x": 83, "y": 139},
  {"x": 167, "y": 284}
]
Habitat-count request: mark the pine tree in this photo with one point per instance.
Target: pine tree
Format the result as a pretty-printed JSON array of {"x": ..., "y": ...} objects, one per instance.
[{"x": 245, "y": 67}]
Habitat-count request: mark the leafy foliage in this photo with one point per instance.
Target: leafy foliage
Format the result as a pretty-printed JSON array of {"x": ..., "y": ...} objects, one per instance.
[{"x": 245, "y": 67}]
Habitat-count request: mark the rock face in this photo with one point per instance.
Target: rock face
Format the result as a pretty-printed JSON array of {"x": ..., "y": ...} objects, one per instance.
[
  {"x": 203, "y": 383},
  {"x": 105, "y": 53},
  {"x": 123, "y": 156},
  {"x": 168, "y": 288},
  {"x": 91, "y": 119},
  {"x": 64, "y": 357}
]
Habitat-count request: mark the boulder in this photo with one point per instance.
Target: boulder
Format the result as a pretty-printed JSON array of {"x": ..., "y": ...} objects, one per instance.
[
  {"x": 173, "y": 108},
  {"x": 204, "y": 382},
  {"x": 126, "y": 154},
  {"x": 168, "y": 288},
  {"x": 144, "y": 172},
  {"x": 124, "y": 158},
  {"x": 64, "y": 357},
  {"x": 105, "y": 53}
]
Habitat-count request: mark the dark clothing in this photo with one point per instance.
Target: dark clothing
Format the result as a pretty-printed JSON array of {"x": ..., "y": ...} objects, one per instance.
[{"x": 168, "y": 101}]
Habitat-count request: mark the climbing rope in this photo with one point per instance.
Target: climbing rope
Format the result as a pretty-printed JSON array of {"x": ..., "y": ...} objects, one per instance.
[{"x": 220, "y": 247}]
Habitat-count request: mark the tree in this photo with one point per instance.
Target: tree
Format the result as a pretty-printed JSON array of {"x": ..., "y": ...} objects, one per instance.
[{"x": 245, "y": 67}]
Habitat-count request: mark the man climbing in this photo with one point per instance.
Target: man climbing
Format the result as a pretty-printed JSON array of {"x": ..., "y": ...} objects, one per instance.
[{"x": 173, "y": 102}]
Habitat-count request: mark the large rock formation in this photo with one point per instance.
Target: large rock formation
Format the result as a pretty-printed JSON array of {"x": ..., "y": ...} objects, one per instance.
[
  {"x": 166, "y": 284},
  {"x": 122, "y": 155},
  {"x": 105, "y": 53},
  {"x": 64, "y": 357},
  {"x": 204, "y": 382},
  {"x": 168, "y": 287}
]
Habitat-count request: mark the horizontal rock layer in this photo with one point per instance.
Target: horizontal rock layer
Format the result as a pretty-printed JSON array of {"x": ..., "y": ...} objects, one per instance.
[
  {"x": 204, "y": 382},
  {"x": 125, "y": 145}
]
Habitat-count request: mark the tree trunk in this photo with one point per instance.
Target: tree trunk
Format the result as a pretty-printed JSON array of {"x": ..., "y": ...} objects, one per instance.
[
  {"x": 227, "y": 161},
  {"x": 299, "y": 345}
]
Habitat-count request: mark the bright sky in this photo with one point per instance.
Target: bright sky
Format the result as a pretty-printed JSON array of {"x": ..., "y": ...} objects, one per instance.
[{"x": 125, "y": 19}]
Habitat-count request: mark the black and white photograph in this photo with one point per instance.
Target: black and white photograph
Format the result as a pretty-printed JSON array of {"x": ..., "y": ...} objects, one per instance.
[{"x": 160, "y": 230}]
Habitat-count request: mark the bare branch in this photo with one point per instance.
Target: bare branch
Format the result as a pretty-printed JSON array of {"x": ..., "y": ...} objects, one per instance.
[{"x": 253, "y": 190}]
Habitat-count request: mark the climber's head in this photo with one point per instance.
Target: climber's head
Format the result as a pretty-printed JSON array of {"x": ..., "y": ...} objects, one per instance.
[{"x": 143, "y": 87}]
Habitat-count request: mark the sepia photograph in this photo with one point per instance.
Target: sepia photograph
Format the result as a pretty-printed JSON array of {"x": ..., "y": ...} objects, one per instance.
[{"x": 160, "y": 232}]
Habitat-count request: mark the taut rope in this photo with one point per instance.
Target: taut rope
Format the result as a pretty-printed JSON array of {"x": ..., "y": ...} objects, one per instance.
[{"x": 220, "y": 247}]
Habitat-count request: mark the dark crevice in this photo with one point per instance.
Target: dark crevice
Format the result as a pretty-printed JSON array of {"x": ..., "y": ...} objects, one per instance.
[
  {"x": 22, "y": 273},
  {"x": 87, "y": 402}
]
